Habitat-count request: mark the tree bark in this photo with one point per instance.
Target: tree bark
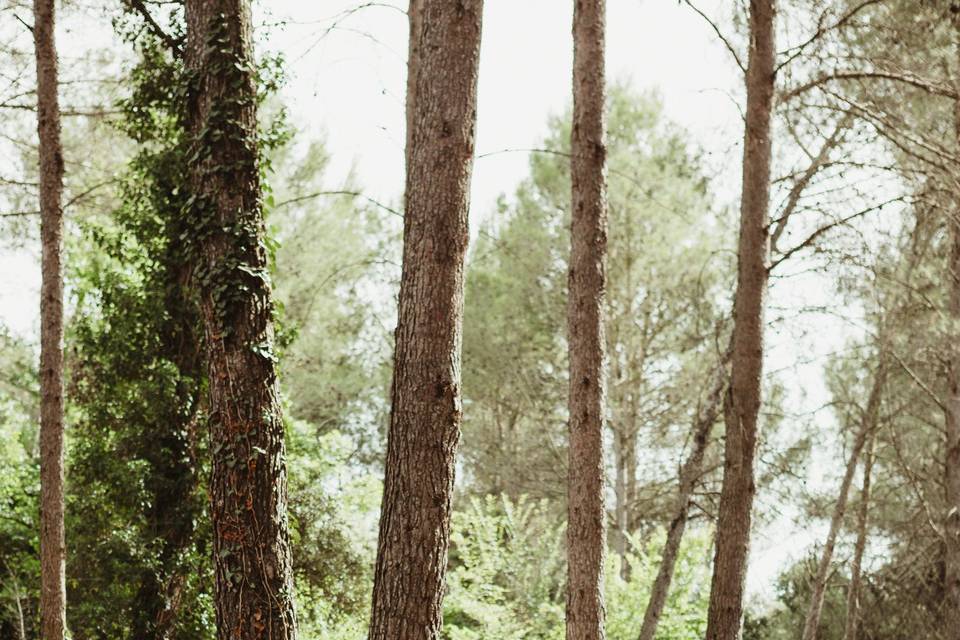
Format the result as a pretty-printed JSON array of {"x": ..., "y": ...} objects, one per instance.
[
  {"x": 742, "y": 403},
  {"x": 254, "y": 581},
  {"x": 426, "y": 397},
  {"x": 690, "y": 473},
  {"x": 812, "y": 621},
  {"x": 587, "y": 281},
  {"x": 951, "y": 528},
  {"x": 52, "y": 541},
  {"x": 863, "y": 514}
]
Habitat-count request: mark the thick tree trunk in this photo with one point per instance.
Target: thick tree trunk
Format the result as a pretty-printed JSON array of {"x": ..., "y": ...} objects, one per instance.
[
  {"x": 52, "y": 543},
  {"x": 585, "y": 333},
  {"x": 856, "y": 569},
  {"x": 742, "y": 404},
  {"x": 426, "y": 412},
  {"x": 812, "y": 621},
  {"x": 690, "y": 473},
  {"x": 254, "y": 581}
]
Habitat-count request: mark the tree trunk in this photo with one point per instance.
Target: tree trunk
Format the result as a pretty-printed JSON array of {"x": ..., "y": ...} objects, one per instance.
[
  {"x": 690, "y": 472},
  {"x": 951, "y": 480},
  {"x": 53, "y": 599},
  {"x": 812, "y": 621},
  {"x": 426, "y": 405},
  {"x": 742, "y": 404},
  {"x": 587, "y": 280},
  {"x": 254, "y": 580},
  {"x": 853, "y": 593}
]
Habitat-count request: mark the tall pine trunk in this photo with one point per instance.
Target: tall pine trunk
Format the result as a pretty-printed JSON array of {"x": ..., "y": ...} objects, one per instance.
[
  {"x": 742, "y": 404},
  {"x": 426, "y": 405},
  {"x": 585, "y": 333},
  {"x": 254, "y": 580},
  {"x": 690, "y": 473},
  {"x": 52, "y": 542},
  {"x": 856, "y": 570},
  {"x": 869, "y": 424},
  {"x": 951, "y": 478}
]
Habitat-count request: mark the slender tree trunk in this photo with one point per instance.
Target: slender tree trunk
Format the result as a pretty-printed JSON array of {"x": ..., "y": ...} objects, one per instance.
[
  {"x": 863, "y": 513},
  {"x": 426, "y": 412},
  {"x": 951, "y": 529},
  {"x": 742, "y": 404},
  {"x": 53, "y": 597},
  {"x": 690, "y": 473},
  {"x": 587, "y": 280},
  {"x": 254, "y": 580},
  {"x": 620, "y": 539},
  {"x": 812, "y": 621}
]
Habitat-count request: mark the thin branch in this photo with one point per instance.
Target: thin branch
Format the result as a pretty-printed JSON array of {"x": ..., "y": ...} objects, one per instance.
[
  {"x": 352, "y": 194},
  {"x": 822, "y": 31},
  {"x": 723, "y": 39},
  {"x": 819, "y": 232},
  {"x": 932, "y": 88},
  {"x": 154, "y": 28}
]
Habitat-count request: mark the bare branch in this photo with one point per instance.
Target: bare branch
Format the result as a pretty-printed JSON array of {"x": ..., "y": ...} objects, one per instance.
[{"x": 716, "y": 29}]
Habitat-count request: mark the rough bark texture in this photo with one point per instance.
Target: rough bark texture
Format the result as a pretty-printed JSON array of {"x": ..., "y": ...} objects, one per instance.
[
  {"x": 742, "y": 404},
  {"x": 254, "y": 581},
  {"x": 863, "y": 513},
  {"x": 52, "y": 542},
  {"x": 426, "y": 404},
  {"x": 585, "y": 333},
  {"x": 812, "y": 620},
  {"x": 690, "y": 473},
  {"x": 951, "y": 528}
]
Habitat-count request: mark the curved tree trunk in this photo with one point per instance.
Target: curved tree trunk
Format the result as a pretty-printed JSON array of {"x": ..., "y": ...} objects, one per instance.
[
  {"x": 690, "y": 472},
  {"x": 812, "y": 621},
  {"x": 863, "y": 513},
  {"x": 254, "y": 579},
  {"x": 426, "y": 406},
  {"x": 52, "y": 543},
  {"x": 742, "y": 404},
  {"x": 585, "y": 334}
]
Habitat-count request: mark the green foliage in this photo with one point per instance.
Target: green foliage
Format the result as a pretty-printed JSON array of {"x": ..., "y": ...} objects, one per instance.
[{"x": 507, "y": 572}]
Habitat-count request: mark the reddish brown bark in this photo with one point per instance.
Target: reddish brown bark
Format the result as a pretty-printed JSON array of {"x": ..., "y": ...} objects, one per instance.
[
  {"x": 254, "y": 580},
  {"x": 585, "y": 333},
  {"x": 52, "y": 543},
  {"x": 742, "y": 404},
  {"x": 426, "y": 405}
]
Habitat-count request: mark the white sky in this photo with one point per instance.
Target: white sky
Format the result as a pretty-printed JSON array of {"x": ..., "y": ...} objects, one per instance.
[{"x": 347, "y": 86}]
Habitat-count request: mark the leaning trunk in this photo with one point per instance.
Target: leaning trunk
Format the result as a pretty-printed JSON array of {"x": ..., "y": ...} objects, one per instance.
[
  {"x": 52, "y": 544},
  {"x": 254, "y": 580},
  {"x": 690, "y": 473},
  {"x": 812, "y": 621},
  {"x": 587, "y": 280},
  {"x": 856, "y": 569},
  {"x": 426, "y": 406},
  {"x": 742, "y": 403}
]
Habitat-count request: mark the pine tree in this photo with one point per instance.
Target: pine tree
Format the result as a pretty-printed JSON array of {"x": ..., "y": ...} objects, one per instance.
[
  {"x": 254, "y": 581},
  {"x": 586, "y": 514},
  {"x": 426, "y": 410}
]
